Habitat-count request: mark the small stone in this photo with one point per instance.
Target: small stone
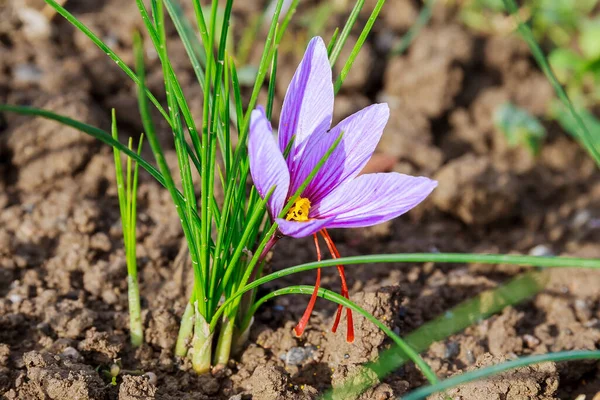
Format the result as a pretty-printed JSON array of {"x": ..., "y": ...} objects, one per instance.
[
  {"x": 470, "y": 357},
  {"x": 71, "y": 352},
  {"x": 583, "y": 310},
  {"x": 452, "y": 350},
  {"x": 581, "y": 219},
  {"x": 27, "y": 74},
  {"x": 297, "y": 355},
  {"x": 531, "y": 341},
  {"x": 152, "y": 378},
  {"x": 15, "y": 298},
  {"x": 35, "y": 24},
  {"x": 541, "y": 250}
]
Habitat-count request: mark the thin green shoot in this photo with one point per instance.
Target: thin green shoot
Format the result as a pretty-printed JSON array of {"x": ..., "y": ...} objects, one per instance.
[
  {"x": 357, "y": 46},
  {"x": 127, "y": 194},
  {"x": 525, "y": 261},
  {"x": 343, "y": 36},
  {"x": 415, "y": 28},
  {"x": 487, "y": 372},
  {"x": 584, "y": 134},
  {"x": 109, "y": 52},
  {"x": 272, "y": 78},
  {"x": 286, "y": 20},
  {"x": 333, "y": 41},
  {"x": 162, "y": 163},
  {"x": 458, "y": 318}
]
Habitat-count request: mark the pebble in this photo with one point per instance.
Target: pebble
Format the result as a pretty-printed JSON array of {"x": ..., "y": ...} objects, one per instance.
[
  {"x": 470, "y": 357},
  {"x": 541, "y": 250},
  {"x": 35, "y": 24},
  {"x": 297, "y": 355},
  {"x": 152, "y": 378},
  {"x": 44, "y": 328},
  {"x": 15, "y": 298},
  {"x": 27, "y": 74},
  {"x": 581, "y": 219},
  {"x": 452, "y": 350},
  {"x": 71, "y": 352},
  {"x": 531, "y": 341}
]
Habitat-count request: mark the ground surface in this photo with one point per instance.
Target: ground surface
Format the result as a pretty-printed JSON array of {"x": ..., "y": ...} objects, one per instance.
[{"x": 63, "y": 306}]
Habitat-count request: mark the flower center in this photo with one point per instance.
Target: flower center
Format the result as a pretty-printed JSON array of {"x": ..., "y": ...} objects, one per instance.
[{"x": 299, "y": 211}]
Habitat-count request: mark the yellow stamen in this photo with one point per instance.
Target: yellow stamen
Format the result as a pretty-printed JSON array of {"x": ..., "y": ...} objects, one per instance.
[{"x": 299, "y": 211}]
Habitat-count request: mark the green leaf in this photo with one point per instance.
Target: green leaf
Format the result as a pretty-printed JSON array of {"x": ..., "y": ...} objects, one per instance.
[
  {"x": 583, "y": 135},
  {"x": 565, "y": 62},
  {"x": 566, "y": 121},
  {"x": 450, "y": 322},
  {"x": 531, "y": 261},
  {"x": 519, "y": 127},
  {"x": 589, "y": 39},
  {"x": 466, "y": 377}
]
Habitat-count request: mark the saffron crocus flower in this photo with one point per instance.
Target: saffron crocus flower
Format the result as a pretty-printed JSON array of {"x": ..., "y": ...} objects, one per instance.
[{"x": 337, "y": 196}]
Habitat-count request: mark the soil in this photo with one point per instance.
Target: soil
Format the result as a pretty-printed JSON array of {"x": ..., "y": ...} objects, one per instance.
[{"x": 63, "y": 294}]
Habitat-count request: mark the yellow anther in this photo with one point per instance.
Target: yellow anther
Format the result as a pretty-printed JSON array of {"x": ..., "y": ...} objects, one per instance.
[{"x": 299, "y": 211}]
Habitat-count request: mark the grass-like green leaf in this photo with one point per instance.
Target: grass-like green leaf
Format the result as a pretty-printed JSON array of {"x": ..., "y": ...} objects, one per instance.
[
  {"x": 343, "y": 36},
  {"x": 583, "y": 133},
  {"x": 499, "y": 368},
  {"x": 415, "y": 28},
  {"x": 109, "y": 52},
  {"x": 336, "y": 298},
  {"x": 450, "y": 322},
  {"x": 162, "y": 163},
  {"x": 526, "y": 261},
  {"x": 357, "y": 46}
]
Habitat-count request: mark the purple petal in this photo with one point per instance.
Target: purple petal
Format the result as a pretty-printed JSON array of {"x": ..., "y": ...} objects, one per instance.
[
  {"x": 373, "y": 198},
  {"x": 308, "y": 104},
  {"x": 361, "y": 133},
  {"x": 301, "y": 229},
  {"x": 267, "y": 166}
]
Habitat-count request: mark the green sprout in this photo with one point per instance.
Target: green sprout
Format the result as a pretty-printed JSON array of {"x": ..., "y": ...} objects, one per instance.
[
  {"x": 519, "y": 127},
  {"x": 127, "y": 193}
]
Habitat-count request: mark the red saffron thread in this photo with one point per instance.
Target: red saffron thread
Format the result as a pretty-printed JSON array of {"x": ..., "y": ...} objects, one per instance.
[
  {"x": 344, "y": 292},
  {"x": 299, "y": 329}
]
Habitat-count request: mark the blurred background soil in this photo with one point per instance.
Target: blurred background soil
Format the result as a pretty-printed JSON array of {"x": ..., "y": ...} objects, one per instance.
[{"x": 63, "y": 295}]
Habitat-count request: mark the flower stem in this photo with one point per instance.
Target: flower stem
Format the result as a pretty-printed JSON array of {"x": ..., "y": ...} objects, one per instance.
[
  {"x": 135, "y": 318},
  {"x": 185, "y": 330},
  {"x": 223, "y": 349},
  {"x": 201, "y": 344}
]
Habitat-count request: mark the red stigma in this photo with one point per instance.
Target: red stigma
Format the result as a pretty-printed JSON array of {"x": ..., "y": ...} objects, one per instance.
[
  {"x": 299, "y": 329},
  {"x": 344, "y": 292}
]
